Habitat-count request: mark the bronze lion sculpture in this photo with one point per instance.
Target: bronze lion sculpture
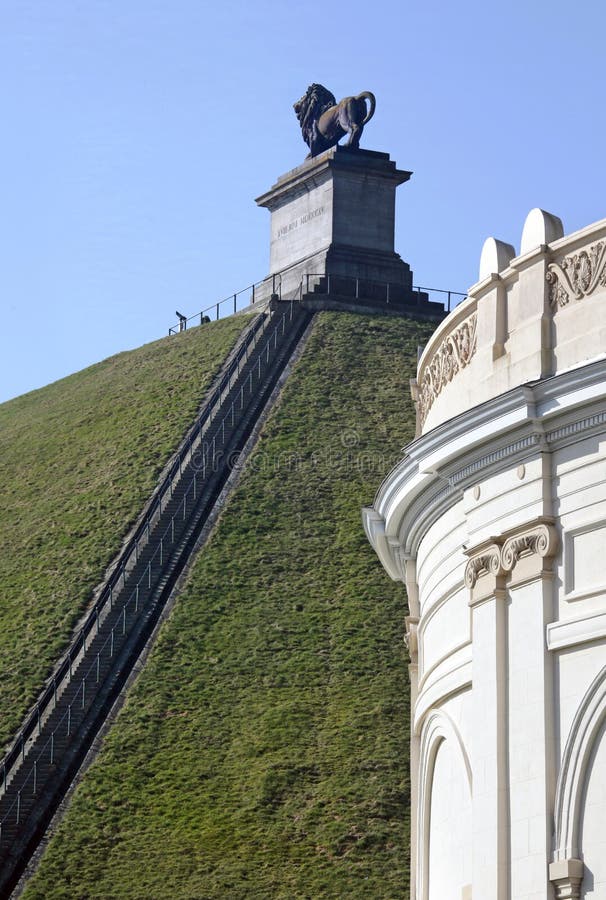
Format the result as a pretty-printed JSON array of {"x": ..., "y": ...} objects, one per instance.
[{"x": 324, "y": 122}]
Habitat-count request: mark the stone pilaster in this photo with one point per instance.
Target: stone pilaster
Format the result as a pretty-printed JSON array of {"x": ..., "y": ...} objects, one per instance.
[
  {"x": 484, "y": 578},
  {"x": 527, "y": 559},
  {"x": 412, "y": 623}
]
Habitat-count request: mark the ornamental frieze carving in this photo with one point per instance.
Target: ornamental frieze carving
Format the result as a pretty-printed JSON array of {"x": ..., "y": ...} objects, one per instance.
[
  {"x": 577, "y": 275},
  {"x": 452, "y": 355}
]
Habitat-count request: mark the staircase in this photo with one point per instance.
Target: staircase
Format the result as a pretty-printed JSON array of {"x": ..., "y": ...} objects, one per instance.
[
  {"x": 347, "y": 293},
  {"x": 48, "y": 751}
]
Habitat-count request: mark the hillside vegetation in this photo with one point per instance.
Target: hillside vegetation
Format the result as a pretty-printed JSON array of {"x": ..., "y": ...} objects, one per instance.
[
  {"x": 262, "y": 753},
  {"x": 77, "y": 461}
]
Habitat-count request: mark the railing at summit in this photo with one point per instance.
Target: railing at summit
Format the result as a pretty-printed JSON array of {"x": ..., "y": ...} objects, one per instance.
[
  {"x": 357, "y": 288},
  {"x": 228, "y": 306},
  {"x": 385, "y": 291}
]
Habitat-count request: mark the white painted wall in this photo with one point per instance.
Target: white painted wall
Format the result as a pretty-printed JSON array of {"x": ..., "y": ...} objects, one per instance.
[
  {"x": 593, "y": 831},
  {"x": 496, "y": 519},
  {"x": 450, "y": 827}
]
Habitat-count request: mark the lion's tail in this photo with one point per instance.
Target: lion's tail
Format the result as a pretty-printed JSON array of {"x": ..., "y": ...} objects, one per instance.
[{"x": 366, "y": 95}]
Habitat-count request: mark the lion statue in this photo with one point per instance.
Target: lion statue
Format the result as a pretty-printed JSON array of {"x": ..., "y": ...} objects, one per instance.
[{"x": 323, "y": 121}]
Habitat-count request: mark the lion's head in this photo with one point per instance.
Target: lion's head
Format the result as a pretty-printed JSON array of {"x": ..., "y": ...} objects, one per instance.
[{"x": 310, "y": 107}]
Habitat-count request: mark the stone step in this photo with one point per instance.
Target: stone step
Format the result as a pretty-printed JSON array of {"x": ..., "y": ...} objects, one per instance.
[{"x": 73, "y": 722}]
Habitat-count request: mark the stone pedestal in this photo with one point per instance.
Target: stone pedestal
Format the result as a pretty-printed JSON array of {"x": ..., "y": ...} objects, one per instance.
[{"x": 335, "y": 215}]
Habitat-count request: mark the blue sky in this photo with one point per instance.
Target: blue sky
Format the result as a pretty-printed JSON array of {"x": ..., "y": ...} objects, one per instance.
[{"x": 136, "y": 134}]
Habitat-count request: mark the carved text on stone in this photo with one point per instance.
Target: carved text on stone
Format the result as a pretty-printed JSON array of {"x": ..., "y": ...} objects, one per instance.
[{"x": 302, "y": 220}]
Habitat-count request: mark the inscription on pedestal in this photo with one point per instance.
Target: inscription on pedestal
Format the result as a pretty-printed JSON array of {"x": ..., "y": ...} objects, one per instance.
[
  {"x": 302, "y": 220},
  {"x": 336, "y": 209}
]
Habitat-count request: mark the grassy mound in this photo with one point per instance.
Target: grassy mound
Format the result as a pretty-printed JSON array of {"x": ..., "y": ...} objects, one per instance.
[
  {"x": 78, "y": 460},
  {"x": 263, "y": 751}
]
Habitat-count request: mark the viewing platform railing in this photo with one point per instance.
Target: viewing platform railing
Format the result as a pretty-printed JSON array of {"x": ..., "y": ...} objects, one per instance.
[
  {"x": 358, "y": 287},
  {"x": 228, "y": 306},
  {"x": 386, "y": 291}
]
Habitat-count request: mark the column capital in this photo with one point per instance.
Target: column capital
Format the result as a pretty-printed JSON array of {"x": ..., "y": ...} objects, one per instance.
[
  {"x": 527, "y": 551},
  {"x": 519, "y": 554},
  {"x": 484, "y": 571}
]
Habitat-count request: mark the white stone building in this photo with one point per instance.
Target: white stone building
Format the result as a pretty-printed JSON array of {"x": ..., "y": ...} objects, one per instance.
[{"x": 496, "y": 521}]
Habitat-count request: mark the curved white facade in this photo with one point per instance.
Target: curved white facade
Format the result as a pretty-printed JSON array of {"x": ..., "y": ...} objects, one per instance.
[{"x": 496, "y": 521}]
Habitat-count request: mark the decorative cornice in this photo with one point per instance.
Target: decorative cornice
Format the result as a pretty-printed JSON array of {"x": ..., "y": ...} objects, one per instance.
[
  {"x": 452, "y": 354},
  {"x": 429, "y": 505},
  {"x": 578, "y": 427},
  {"x": 492, "y": 437},
  {"x": 512, "y": 449},
  {"x": 486, "y": 561},
  {"x": 577, "y": 275},
  {"x": 541, "y": 540}
]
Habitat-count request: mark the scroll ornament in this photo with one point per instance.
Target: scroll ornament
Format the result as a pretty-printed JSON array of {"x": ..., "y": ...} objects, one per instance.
[
  {"x": 496, "y": 559},
  {"x": 452, "y": 355},
  {"x": 489, "y": 561},
  {"x": 542, "y": 540},
  {"x": 577, "y": 275}
]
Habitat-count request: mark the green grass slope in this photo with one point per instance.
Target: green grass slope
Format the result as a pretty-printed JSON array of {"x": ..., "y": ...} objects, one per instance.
[
  {"x": 77, "y": 461},
  {"x": 263, "y": 751}
]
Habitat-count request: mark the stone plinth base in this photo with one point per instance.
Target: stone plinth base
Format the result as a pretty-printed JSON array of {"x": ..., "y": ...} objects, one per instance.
[{"x": 335, "y": 214}]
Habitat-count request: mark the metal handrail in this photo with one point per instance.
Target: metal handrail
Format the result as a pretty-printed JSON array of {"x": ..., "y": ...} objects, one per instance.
[
  {"x": 360, "y": 284},
  {"x": 213, "y": 311},
  {"x": 428, "y": 290},
  {"x": 129, "y": 556},
  {"x": 139, "y": 540}
]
